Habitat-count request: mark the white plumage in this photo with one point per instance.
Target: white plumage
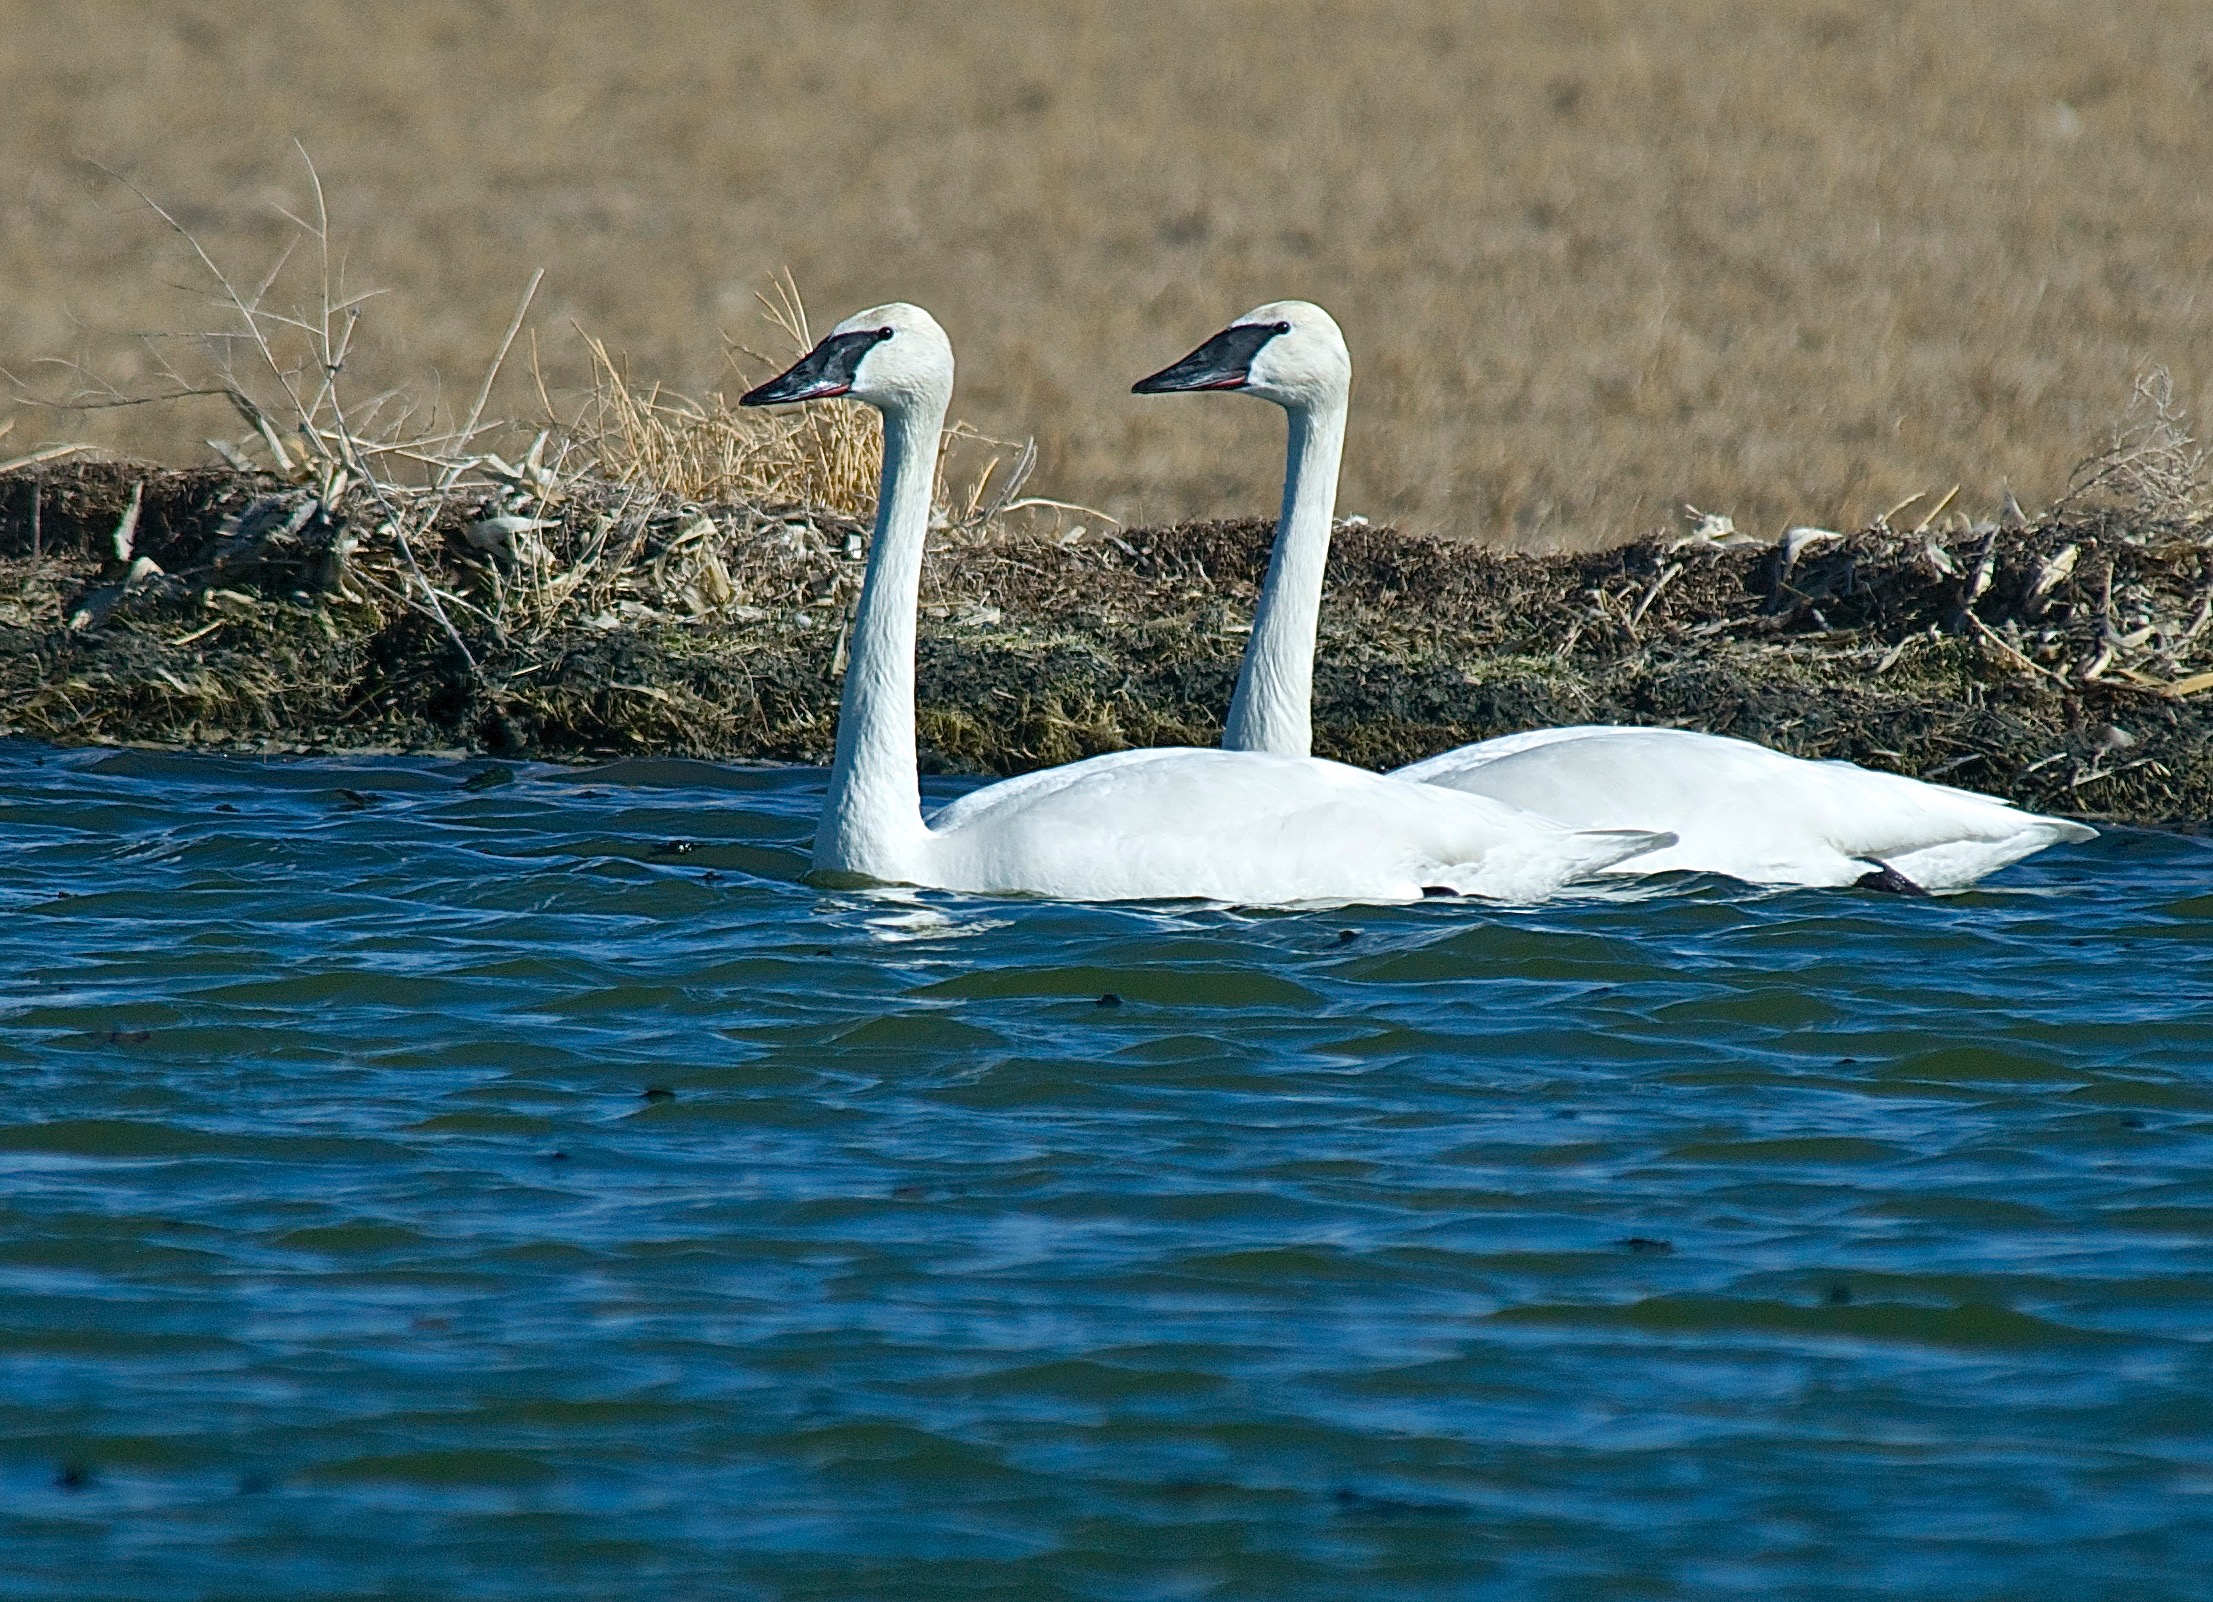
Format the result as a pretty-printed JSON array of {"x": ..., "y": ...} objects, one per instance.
[
  {"x": 1748, "y": 812},
  {"x": 1245, "y": 827},
  {"x": 1733, "y": 807},
  {"x": 1251, "y": 828}
]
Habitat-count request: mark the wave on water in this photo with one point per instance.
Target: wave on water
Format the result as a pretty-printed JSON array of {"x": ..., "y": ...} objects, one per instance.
[{"x": 418, "y": 1184}]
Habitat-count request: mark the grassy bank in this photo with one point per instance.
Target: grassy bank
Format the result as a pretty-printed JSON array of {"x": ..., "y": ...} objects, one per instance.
[
  {"x": 1787, "y": 259},
  {"x": 2068, "y": 663}
]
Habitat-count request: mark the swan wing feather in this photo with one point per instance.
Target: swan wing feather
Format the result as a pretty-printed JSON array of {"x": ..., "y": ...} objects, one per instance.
[
  {"x": 1746, "y": 811},
  {"x": 1253, "y": 829}
]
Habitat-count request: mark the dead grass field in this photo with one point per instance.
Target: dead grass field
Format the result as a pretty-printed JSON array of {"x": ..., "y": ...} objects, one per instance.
[{"x": 1787, "y": 259}]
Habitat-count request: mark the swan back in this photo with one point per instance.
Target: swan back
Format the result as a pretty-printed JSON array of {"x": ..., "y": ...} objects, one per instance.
[{"x": 1253, "y": 828}]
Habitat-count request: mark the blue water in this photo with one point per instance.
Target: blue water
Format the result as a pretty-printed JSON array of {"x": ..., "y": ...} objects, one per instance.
[{"x": 535, "y": 1190}]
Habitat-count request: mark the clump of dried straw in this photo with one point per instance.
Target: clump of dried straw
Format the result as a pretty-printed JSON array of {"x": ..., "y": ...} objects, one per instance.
[{"x": 823, "y": 457}]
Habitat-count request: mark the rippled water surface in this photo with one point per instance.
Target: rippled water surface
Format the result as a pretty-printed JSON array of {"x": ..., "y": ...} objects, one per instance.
[{"x": 426, "y": 1188}]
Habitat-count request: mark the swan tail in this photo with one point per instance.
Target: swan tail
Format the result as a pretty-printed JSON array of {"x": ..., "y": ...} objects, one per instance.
[{"x": 1957, "y": 864}]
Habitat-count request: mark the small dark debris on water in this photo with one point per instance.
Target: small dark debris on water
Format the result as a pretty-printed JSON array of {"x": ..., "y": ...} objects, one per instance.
[
  {"x": 1110, "y": 999},
  {"x": 224, "y": 806},
  {"x": 1363, "y": 1505},
  {"x": 675, "y": 848},
  {"x": 490, "y": 778},
  {"x": 557, "y": 1156},
  {"x": 908, "y": 1192},
  {"x": 657, "y": 1093},
  {"x": 129, "y": 1037},
  {"x": 824, "y": 951},
  {"x": 1647, "y": 1246},
  {"x": 2131, "y": 1121},
  {"x": 1839, "y": 1296},
  {"x": 710, "y": 877},
  {"x": 356, "y": 801},
  {"x": 72, "y": 1477},
  {"x": 1347, "y": 936}
]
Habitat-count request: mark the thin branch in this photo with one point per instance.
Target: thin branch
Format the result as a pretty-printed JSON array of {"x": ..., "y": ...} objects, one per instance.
[
  {"x": 398, "y": 526},
  {"x": 469, "y": 429},
  {"x": 253, "y": 326}
]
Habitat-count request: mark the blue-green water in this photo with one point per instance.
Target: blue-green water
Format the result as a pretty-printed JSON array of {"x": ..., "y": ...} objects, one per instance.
[{"x": 536, "y": 1191}]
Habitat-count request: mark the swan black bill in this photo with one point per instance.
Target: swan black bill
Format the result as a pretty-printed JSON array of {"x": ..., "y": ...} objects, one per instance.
[
  {"x": 1223, "y": 362},
  {"x": 826, "y": 370}
]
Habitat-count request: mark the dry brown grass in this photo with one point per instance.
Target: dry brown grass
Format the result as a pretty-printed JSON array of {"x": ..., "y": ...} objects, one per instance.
[
  {"x": 824, "y": 456},
  {"x": 642, "y": 508},
  {"x": 1791, "y": 260},
  {"x": 2069, "y": 664}
]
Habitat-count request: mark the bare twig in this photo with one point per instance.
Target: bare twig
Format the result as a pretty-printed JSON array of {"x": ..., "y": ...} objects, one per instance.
[
  {"x": 471, "y": 428},
  {"x": 398, "y": 531},
  {"x": 2152, "y": 465}
]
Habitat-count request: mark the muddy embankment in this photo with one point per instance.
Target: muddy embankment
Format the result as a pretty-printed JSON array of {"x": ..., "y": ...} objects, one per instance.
[{"x": 2068, "y": 665}]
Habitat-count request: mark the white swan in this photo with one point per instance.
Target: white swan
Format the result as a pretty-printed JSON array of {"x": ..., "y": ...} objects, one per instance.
[
  {"x": 1735, "y": 808},
  {"x": 1247, "y": 827}
]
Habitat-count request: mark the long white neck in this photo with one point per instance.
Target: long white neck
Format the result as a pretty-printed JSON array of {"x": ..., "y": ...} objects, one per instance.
[
  {"x": 872, "y": 819},
  {"x": 1273, "y": 707}
]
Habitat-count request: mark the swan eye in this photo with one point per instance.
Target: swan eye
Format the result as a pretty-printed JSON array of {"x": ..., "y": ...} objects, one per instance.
[
  {"x": 883, "y": 334},
  {"x": 1283, "y": 328}
]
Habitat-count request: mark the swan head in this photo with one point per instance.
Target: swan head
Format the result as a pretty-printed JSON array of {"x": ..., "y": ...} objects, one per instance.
[
  {"x": 1288, "y": 351},
  {"x": 888, "y": 356}
]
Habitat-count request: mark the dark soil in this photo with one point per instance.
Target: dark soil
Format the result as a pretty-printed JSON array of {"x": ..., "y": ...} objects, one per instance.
[{"x": 1994, "y": 659}]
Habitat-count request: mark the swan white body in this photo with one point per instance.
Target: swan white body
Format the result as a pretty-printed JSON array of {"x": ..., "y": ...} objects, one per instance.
[
  {"x": 1247, "y": 827},
  {"x": 1754, "y": 814},
  {"x": 1735, "y": 808}
]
